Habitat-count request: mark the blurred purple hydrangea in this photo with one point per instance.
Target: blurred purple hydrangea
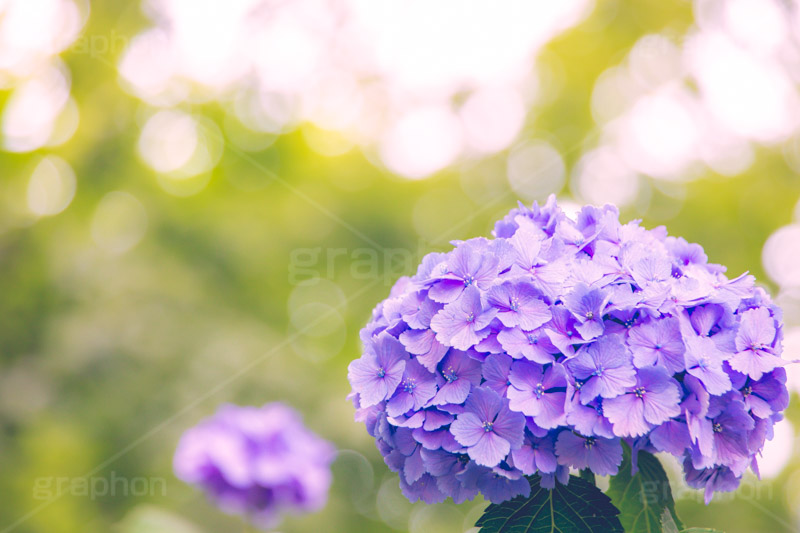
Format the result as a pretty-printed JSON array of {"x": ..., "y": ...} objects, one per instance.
[
  {"x": 544, "y": 348},
  {"x": 257, "y": 462}
]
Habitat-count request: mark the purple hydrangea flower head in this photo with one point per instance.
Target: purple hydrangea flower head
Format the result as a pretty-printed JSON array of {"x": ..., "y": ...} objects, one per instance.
[
  {"x": 547, "y": 346},
  {"x": 257, "y": 462}
]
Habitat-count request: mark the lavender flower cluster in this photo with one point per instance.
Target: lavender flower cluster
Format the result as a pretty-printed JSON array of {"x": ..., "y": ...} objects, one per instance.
[
  {"x": 544, "y": 348},
  {"x": 257, "y": 462}
]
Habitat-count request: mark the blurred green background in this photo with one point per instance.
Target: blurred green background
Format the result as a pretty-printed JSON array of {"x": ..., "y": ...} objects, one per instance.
[{"x": 131, "y": 313}]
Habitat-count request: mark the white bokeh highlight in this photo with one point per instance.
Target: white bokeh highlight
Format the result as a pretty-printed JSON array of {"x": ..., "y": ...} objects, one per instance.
[
  {"x": 778, "y": 451},
  {"x": 791, "y": 352},
  {"x": 678, "y": 106},
  {"x": 51, "y": 186},
  {"x": 781, "y": 256},
  {"x": 119, "y": 222},
  {"x": 535, "y": 169},
  {"x": 602, "y": 176},
  {"x": 168, "y": 140},
  {"x": 420, "y": 85},
  {"x": 32, "y": 34}
]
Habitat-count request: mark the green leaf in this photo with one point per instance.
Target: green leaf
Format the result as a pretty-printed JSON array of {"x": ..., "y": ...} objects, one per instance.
[
  {"x": 668, "y": 524},
  {"x": 578, "y": 507},
  {"x": 642, "y": 499},
  {"x": 588, "y": 475}
]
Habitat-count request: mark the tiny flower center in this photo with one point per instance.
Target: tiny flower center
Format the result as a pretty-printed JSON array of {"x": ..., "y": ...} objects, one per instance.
[
  {"x": 450, "y": 375},
  {"x": 639, "y": 392},
  {"x": 538, "y": 390},
  {"x": 657, "y": 346},
  {"x": 717, "y": 427},
  {"x": 599, "y": 371},
  {"x": 409, "y": 384},
  {"x": 487, "y": 426},
  {"x": 469, "y": 280},
  {"x": 514, "y": 303},
  {"x": 589, "y": 315},
  {"x": 381, "y": 372},
  {"x": 532, "y": 340},
  {"x": 471, "y": 318},
  {"x": 590, "y": 442},
  {"x": 747, "y": 391}
]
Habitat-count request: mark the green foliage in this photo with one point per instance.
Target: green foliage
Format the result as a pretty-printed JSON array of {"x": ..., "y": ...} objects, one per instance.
[
  {"x": 640, "y": 503},
  {"x": 578, "y": 507},
  {"x": 668, "y": 525},
  {"x": 645, "y": 497},
  {"x": 588, "y": 475}
]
